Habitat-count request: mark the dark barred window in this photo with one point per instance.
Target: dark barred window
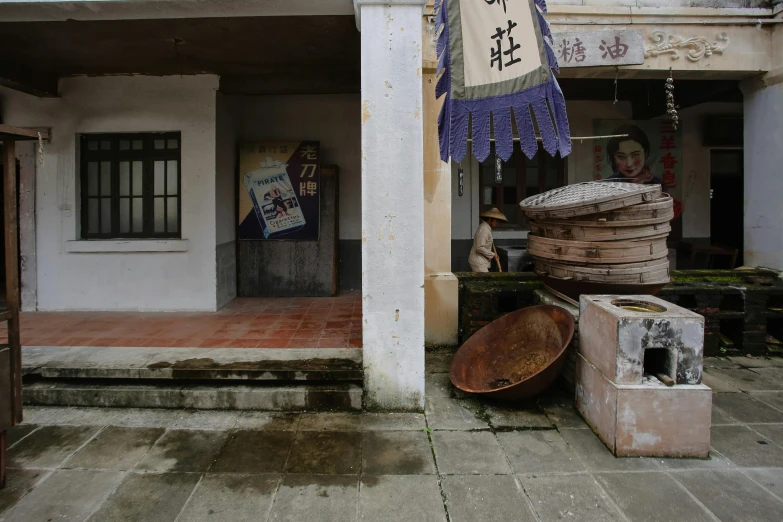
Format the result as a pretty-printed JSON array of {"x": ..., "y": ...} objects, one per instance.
[{"x": 130, "y": 185}]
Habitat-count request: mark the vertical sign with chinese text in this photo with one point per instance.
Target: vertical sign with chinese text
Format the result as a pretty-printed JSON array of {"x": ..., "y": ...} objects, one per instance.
[{"x": 279, "y": 191}]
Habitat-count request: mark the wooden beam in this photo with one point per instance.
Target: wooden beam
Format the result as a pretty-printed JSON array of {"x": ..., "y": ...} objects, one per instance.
[
  {"x": 22, "y": 133},
  {"x": 37, "y": 83},
  {"x": 12, "y": 276}
]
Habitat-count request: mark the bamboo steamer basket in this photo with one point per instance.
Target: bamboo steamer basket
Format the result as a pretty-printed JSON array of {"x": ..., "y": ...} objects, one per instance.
[
  {"x": 658, "y": 211},
  {"x": 596, "y": 231},
  {"x": 609, "y": 252},
  {"x": 633, "y": 273},
  {"x": 587, "y": 198}
]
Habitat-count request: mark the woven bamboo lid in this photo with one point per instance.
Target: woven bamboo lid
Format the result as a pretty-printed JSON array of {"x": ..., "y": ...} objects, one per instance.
[{"x": 586, "y": 198}]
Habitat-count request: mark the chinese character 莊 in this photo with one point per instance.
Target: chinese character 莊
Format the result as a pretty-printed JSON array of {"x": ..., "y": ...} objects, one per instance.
[
  {"x": 497, "y": 53},
  {"x": 498, "y": 2},
  {"x": 618, "y": 50},
  {"x": 307, "y": 189},
  {"x": 309, "y": 152}
]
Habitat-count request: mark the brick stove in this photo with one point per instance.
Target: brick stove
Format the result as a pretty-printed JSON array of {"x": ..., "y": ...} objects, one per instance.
[{"x": 638, "y": 376}]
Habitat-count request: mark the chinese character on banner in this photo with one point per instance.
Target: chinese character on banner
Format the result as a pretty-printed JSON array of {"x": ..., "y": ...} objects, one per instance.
[
  {"x": 615, "y": 51},
  {"x": 503, "y": 75},
  {"x": 647, "y": 152}
]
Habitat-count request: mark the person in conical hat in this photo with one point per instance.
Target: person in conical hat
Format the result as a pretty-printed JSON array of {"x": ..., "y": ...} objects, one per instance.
[{"x": 482, "y": 253}]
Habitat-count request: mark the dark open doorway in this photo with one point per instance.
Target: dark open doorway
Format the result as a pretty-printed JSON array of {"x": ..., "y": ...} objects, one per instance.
[{"x": 726, "y": 201}]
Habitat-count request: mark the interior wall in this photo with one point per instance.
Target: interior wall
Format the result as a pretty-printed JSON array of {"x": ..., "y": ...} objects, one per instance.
[
  {"x": 227, "y": 124},
  {"x": 112, "y": 280},
  {"x": 334, "y": 121}
]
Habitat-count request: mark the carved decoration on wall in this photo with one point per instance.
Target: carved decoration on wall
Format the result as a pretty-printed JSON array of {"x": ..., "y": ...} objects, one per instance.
[{"x": 698, "y": 46}]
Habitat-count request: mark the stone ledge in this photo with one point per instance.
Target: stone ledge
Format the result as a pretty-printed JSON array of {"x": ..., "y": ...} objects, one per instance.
[{"x": 126, "y": 245}]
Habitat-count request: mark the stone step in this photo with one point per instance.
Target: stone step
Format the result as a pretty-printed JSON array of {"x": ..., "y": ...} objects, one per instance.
[
  {"x": 218, "y": 396},
  {"x": 202, "y": 364}
]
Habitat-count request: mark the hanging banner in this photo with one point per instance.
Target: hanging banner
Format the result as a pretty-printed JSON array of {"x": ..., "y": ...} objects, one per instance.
[
  {"x": 496, "y": 57},
  {"x": 651, "y": 153},
  {"x": 279, "y": 190}
]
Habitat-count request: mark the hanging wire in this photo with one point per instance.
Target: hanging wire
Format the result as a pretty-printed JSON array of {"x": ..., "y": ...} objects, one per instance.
[{"x": 616, "y": 73}]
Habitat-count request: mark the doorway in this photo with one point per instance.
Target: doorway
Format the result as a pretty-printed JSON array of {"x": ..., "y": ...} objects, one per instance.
[{"x": 726, "y": 201}]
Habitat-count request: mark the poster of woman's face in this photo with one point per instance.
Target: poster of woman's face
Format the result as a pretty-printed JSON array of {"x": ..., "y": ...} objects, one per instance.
[{"x": 648, "y": 152}]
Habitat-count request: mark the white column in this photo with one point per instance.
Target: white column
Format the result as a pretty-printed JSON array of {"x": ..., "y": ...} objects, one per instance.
[
  {"x": 392, "y": 203},
  {"x": 763, "y": 136}
]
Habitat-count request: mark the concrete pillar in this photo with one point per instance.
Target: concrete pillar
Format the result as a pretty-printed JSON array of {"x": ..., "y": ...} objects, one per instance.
[
  {"x": 441, "y": 287},
  {"x": 763, "y": 135},
  {"x": 392, "y": 203}
]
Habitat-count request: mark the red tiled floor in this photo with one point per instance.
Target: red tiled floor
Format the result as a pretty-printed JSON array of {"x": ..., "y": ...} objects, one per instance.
[{"x": 246, "y": 322}]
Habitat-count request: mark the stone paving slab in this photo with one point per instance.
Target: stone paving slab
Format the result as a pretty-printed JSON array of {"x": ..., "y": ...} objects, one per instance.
[
  {"x": 454, "y": 414},
  {"x": 184, "y": 451},
  {"x": 115, "y": 448},
  {"x": 330, "y": 422},
  {"x": 438, "y": 385},
  {"x": 18, "y": 483},
  {"x": 569, "y": 497},
  {"x": 539, "y": 452},
  {"x": 325, "y": 453},
  {"x": 745, "y": 408},
  {"x": 234, "y": 498},
  {"x": 393, "y": 421},
  {"x": 49, "y": 446},
  {"x": 746, "y": 448},
  {"x": 326, "y": 498},
  {"x": 272, "y": 421},
  {"x": 66, "y": 495},
  {"x": 469, "y": 453},
  {"x": 396, "y": 453},
  {"x": 486, "y": 498},
  {"x": 773, "y": 398},
  {"x": 596, "y": 457},
  {"x": 14, "y": 435},
  {"x": 773, "y": 432},
  {"x": 730, "y": 495},
  {"x": 401, "y": 498},
  {"x": 770, "y": 478},
  {"x": 523, "y": 415},
  {"x": 651, "y": 497},
  {"x": 149, "y": 497},
  {"x": 248, "y": 451}
]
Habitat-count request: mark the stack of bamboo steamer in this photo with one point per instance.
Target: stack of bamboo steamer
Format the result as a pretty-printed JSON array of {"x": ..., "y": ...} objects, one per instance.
[{"x": 600, "y": 237}]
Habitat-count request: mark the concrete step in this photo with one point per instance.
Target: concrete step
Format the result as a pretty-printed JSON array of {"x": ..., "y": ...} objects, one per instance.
[
  {"x": 218, "y": 396},
  {"x": 202, "y": 364}
]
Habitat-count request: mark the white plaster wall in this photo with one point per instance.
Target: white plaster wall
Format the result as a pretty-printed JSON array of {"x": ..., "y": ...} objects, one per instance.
[
  {"x": 392, "y": 207},
  {"x": 123, "y": 281},
  {"x": 693, "y": 188},
  {"x": 763, "y": 182},
  {"x": 332, "y": 119}
]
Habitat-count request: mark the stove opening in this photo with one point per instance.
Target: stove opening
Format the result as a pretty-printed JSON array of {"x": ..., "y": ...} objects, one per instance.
[{"x": 659, "y": 361}]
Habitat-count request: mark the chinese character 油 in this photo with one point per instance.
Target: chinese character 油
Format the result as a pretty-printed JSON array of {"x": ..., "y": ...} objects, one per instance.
[
  {"x": 618, "y": 50},
  {"x": 498, "y": 2},
  {"x": 497, "y": 53},
  {"x": 309, "y": 152},
  {"x": 307, "y": 189}
]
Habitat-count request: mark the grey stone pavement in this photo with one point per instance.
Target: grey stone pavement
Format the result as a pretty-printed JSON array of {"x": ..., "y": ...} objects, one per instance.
[{"x": 462, "y": 460}]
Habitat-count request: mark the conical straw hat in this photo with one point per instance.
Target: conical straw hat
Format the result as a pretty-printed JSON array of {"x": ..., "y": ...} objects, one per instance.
[{"x": 494, "y": 213}]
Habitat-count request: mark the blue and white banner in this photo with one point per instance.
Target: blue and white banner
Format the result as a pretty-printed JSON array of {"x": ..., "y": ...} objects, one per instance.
[{"x": 496, "y": 57}]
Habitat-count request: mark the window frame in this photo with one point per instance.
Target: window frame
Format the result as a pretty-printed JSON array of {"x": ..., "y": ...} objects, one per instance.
[
  {"x": 519, "y": 222},
  {"x": 147, "y": 155}
]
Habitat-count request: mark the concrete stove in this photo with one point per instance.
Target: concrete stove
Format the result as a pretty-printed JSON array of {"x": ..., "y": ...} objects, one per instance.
[{"x": 638, "y": 376}]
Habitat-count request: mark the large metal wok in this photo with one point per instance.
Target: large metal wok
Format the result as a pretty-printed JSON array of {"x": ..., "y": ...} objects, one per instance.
[{"x": 516, "y": 356}]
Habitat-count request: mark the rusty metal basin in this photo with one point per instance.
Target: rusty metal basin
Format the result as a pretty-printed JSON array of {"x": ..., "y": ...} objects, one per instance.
[{"x": 514, "y": 357}]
